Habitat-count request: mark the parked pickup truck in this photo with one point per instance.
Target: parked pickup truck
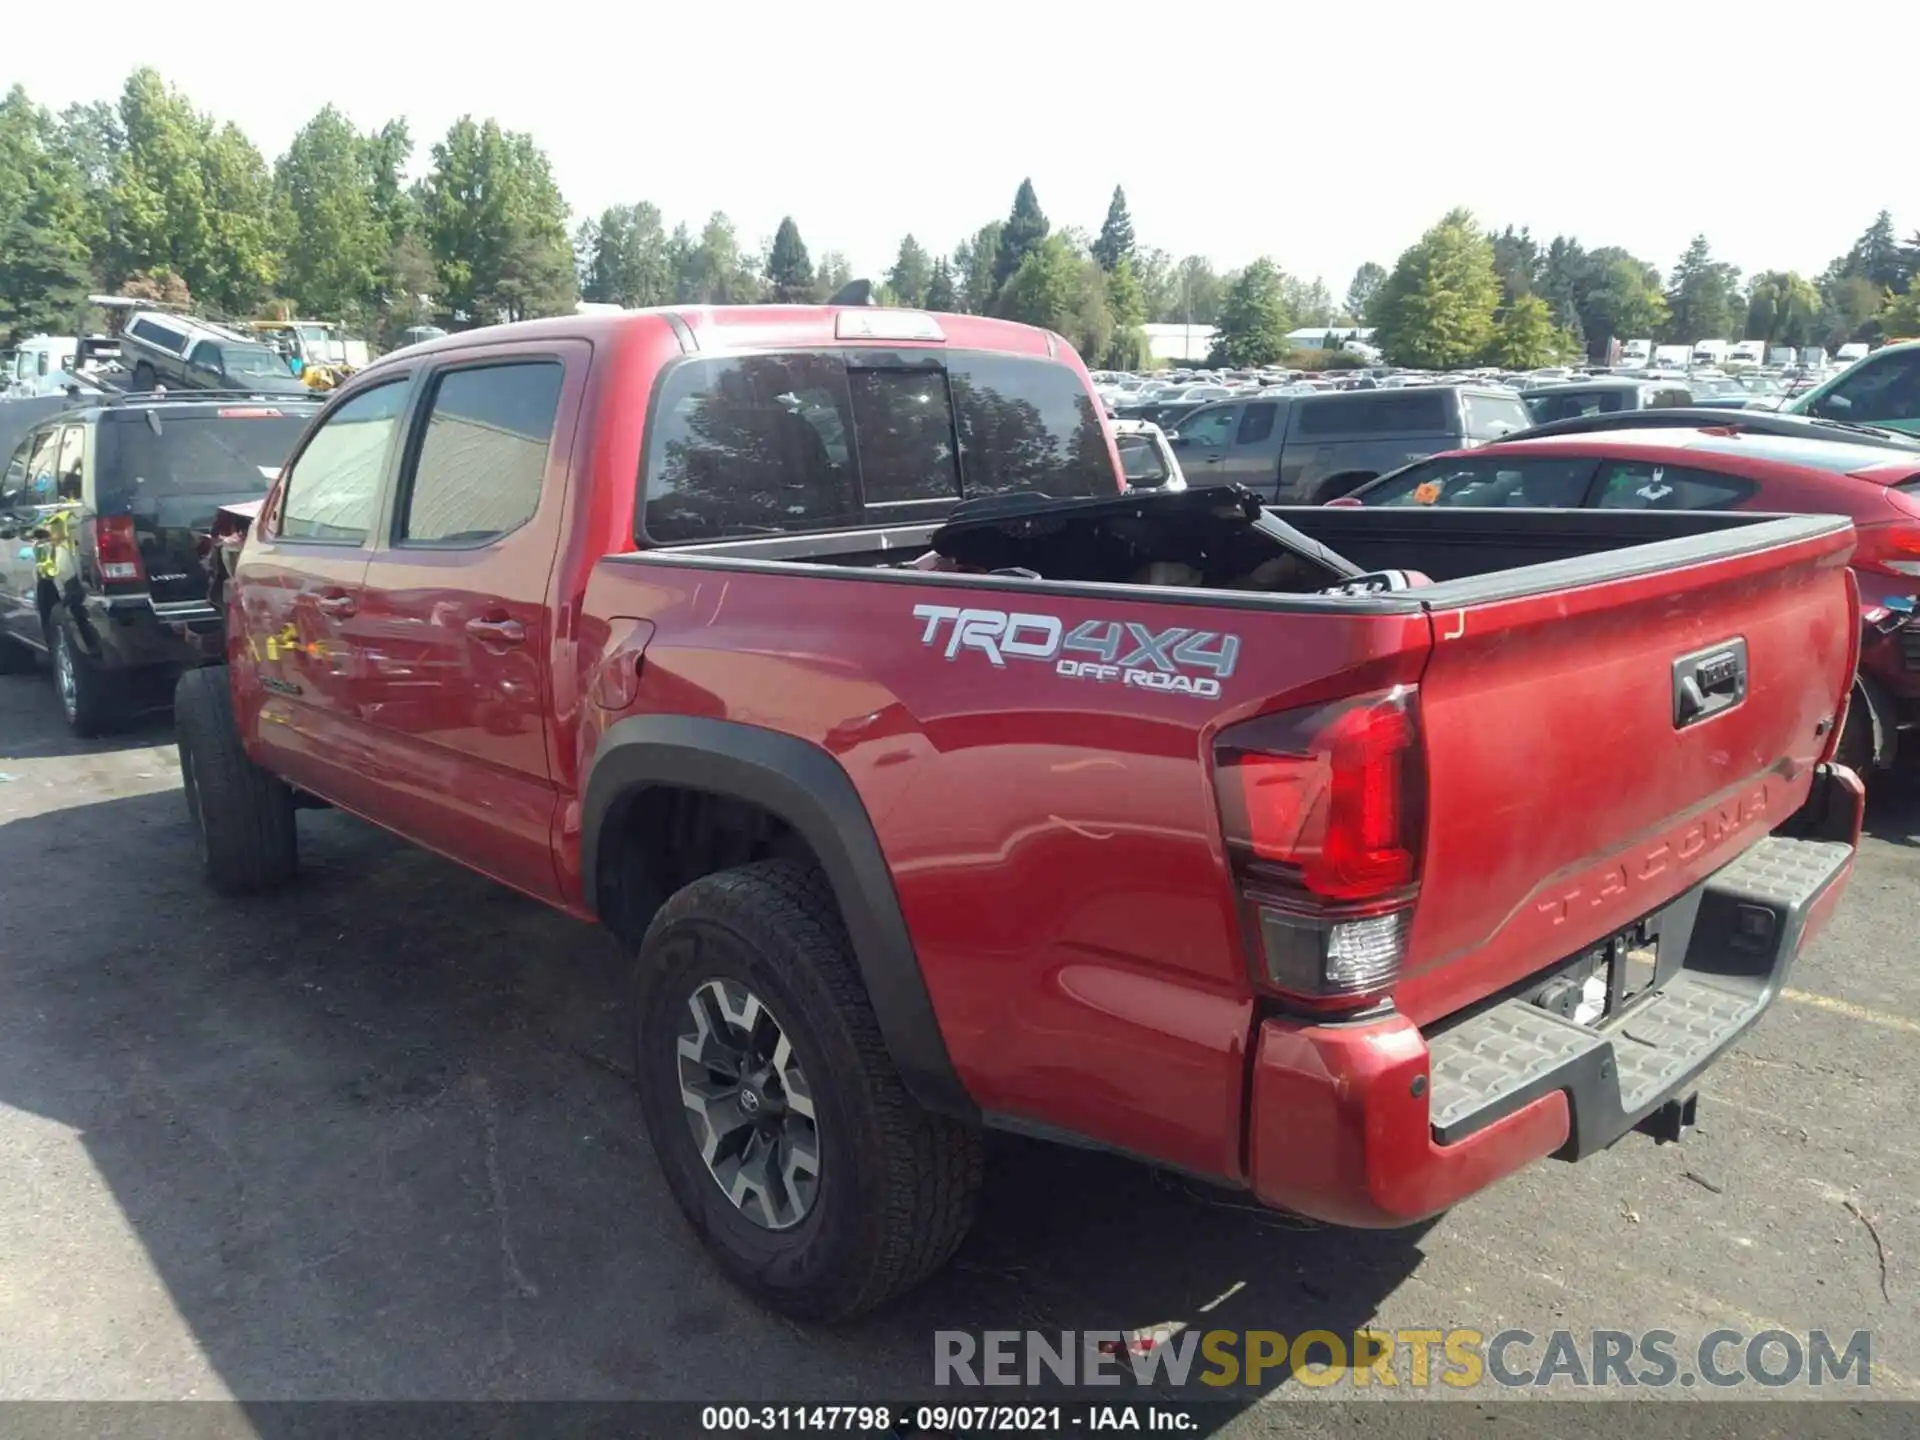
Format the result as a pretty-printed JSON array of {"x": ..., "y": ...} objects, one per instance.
[
  {"x": 1308, "y": 449},
  {"x": 939, "y": 786}
]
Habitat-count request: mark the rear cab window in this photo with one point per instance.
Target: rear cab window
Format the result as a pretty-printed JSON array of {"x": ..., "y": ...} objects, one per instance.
[
  {"x": 146, "y": 457},
  {"x": 818, "y": 439}
]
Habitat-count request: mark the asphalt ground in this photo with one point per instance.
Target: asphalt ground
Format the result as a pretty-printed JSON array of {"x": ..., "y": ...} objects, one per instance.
[{"x": 372, "y": 1138}]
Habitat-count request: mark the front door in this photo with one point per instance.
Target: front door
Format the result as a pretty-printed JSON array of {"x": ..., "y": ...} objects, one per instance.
[
  {"x": 457, "y": 628},
  {"x": 1205, "y": 438},
  {"x": 300, "y": 593}
]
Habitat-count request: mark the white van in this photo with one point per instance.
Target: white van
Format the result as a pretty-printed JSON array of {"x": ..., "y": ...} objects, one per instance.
[
  {"x": 1847, "y": 354},
  {"x": 1748, "y": 352},
  {"x": 1636, "y": 354},
  {"x": 1710, "y": 352},
  {"x": 42, "y": 365},
  {"x": 1671, "y": 357}
]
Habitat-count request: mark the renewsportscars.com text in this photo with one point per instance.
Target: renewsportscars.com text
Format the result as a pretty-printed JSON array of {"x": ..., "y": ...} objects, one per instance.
[{"x": 1458, "y": 1359}]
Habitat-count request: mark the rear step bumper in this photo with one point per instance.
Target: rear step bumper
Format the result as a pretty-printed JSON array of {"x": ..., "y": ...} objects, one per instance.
[{"x": 1374, "y": 1124}]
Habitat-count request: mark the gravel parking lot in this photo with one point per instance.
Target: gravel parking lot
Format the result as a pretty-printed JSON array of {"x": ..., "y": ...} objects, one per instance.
[{"x": 371, "y": 1138}]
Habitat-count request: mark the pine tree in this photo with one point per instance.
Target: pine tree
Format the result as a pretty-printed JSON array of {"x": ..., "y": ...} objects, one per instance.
[
  {"x": 1026, "y": 228},
  {"x": 911, "y": 273},
  {"x": 789, "y": 269},
  {"x": 1116, "y": 235},
  {"x": 941, "y": 292}
]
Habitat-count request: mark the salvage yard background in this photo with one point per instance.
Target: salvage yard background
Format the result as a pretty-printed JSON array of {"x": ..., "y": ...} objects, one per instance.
[{"x": 372, "y": 1138}]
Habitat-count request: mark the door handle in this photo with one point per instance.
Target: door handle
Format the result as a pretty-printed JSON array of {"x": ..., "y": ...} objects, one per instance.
[
  {"x": 496, "y": 632},
  {"x": 337, "y": 606}
]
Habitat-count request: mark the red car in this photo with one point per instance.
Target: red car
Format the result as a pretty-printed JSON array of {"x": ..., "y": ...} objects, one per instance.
[
  {"x": 938, "y": 785},
  {"x": 1775, "y": 464}
]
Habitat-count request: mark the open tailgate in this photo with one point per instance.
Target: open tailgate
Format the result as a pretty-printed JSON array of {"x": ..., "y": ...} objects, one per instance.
[{"x": 1603, "y": 733}]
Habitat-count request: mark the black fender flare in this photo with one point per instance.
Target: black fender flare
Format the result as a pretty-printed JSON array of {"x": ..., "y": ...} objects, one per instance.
[{"x": 807, "y": 788}]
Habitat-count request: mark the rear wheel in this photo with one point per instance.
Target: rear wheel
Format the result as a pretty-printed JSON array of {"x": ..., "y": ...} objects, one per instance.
[
  {"x": 242, "y": 817},
  {"x": 89, "y": 697},
  {"x": 779, "y": 1120}
]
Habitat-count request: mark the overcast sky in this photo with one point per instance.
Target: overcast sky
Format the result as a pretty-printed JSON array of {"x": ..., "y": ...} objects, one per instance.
[{"x": 1323, "y": 134}]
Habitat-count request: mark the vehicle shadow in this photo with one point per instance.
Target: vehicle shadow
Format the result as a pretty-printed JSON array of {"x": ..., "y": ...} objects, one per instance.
[
  {"x": 374, "y": 1134},
  {"x": 1893, "y": 807},
  {"x": 30, "y": 727}
]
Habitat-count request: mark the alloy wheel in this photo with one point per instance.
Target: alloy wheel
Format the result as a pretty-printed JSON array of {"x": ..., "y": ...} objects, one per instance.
[
  {"x": 63, "y": 675},
  {"x": 749, "y": 1105}
]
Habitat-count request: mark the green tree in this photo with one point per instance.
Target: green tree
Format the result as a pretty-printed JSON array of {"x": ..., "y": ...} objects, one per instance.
[
  {"x": 834, "y": 273},
  {"x": 1848, "y": 306},
  {"x": 1125, "y": 299},
  {"x": 395, "y": 206},
  {"x": 87, "y": 138},
  {"x": 1026, "y": 228},
  {"x": 1308, "y": 301},
  {"x": 1197, "y": 292},
  {"x": 1159, "y": 286},
  {"x": 1090, "y": 330},
  {"x": 1619, "y": 298},
  {"x": 1900, "y": 316},
  {"x": 942, "y": 292},
  {"x": 1782, "y": 309},
  {"x": 333, "y": 243},
  {"x": 1046, "y": 289},
  {"x": 1703, "y": 297},
  {"x": 495, "y": 224},
  {"x": 973, "y": 261},
  {"x": 1116, "y": 235},
  {"x": 1877, "y": 255},
  {"x": 1526, "y": 337},
  {"x": 1254, "y": 318},
  {"x": 627, "y": 260},
  {"x": 911, "y": 274},
  {"x": 1516, "y": 260},
  {"x": 1563, "y": 283},
  {"x": 789, "y": 267},
  {"x": 1436, "y": 309},
  {"x": 1365, "y": 284}
]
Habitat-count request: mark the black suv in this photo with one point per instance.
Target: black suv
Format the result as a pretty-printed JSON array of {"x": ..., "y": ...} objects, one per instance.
[
  {"x": 184, "y": 354},
  {"x": 104, "y": 512}
]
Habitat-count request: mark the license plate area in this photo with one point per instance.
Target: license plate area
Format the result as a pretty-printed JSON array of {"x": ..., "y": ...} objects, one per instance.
[{"x": 1607, "y": 978}]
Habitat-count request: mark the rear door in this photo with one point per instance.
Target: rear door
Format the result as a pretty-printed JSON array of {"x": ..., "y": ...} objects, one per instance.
[
  {"x": 1576, "y": 784},
  {"x": 298, "y": 593},
  {"x": 454, "y": 638},
  {"x": 1205, "y": 440},
  {"x": 1253, "y": 459}
]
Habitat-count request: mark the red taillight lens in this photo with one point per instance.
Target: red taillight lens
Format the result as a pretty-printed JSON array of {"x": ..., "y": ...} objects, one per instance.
[
  {"x": 1892, "y": 548},
  {"x": 116, "y": 549},
  {"x": 1323, "y": 815}
]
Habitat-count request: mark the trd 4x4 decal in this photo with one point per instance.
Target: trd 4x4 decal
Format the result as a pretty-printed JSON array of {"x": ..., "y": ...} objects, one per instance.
[{"x": 1188, "y": 662}]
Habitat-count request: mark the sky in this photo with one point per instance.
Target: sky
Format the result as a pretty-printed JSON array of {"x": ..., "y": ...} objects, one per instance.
[{"x": 1320, "y": 134}]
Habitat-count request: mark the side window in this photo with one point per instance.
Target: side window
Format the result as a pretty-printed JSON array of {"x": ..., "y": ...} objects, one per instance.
[
  {"x": 206, "y": 356},
  {"x": 333, "y": 489},
  {"x": 1486, "y": 481},
  {"x": 483, "y": 458},
  {"x": 1256, "y": 424},
  {"x": 45, "y": 357},
  {"x": 1212, "y": 428},
  {"x": 72, "y": 464},
  {"x": 1488, "y": 417},
  {"x": 1639, "y": 485},
  {"x": 13, "y": 485},
  {"x": 1880, "y": 390}
]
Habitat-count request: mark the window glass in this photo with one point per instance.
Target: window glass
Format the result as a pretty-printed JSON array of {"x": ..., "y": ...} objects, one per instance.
[
  {"x": 483, "y": 459},
  {"x": 904, "y": 421},
  {"x": 1640, "y": 485},
  {"x": 333, "y": 490},
  {"x": 1368, "y": 412},
  {"x": 1256, "y": 424},
  {"x": 14, "y": 484},
  {"x": 1878, "y": 391},
  {"x": 72, "y": 464},
  {"x": 155, "y": 333},
  {"x": 1027, "y": 423},
  {"x": 1527, "y": 481},
  {"x": 1140, "y": 460},
  {"x": 1488, "y": 417},
  {"x": 42, "y": 481},
  {"x": 805, "y": 440},
  {"x": 142, "y": 460},
  {"x": 1212, "y": 428},
  {"x": 1548, "y": 405}
]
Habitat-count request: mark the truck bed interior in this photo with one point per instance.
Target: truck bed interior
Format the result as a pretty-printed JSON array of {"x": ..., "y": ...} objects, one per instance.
[{"x": 1223, "y": 538}]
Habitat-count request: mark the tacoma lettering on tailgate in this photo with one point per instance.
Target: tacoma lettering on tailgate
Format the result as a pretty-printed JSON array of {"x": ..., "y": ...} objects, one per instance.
[
  {"x": 1186, "y": 662},
  {"x": 1709, "y": 829}
]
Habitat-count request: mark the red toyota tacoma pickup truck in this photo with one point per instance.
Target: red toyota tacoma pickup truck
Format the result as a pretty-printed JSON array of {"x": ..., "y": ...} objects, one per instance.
[{"x": 939, "y": 785}]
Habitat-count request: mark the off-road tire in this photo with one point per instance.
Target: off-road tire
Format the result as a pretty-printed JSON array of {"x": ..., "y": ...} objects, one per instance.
[
  {"x": 94, "y": 705},
  {"x": 897, "y": 1184},
  {"x": 242, "y": 817}
]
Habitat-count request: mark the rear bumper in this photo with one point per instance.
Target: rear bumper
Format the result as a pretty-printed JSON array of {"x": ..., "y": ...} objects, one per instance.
[
  {"x": 1375, "y": 1124},
  {"x": 134, "y": 633}
]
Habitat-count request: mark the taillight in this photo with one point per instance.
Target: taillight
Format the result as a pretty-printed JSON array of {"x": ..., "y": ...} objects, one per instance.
[
  {"x": 116, "y": 550},
  {"x": 1323, "y": 811},
  {"x": 1891, "y": 547}
]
